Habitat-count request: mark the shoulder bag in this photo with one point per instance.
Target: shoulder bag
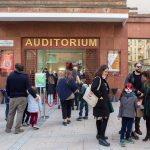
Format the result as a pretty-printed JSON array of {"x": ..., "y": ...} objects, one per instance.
[{"x": 90, "y": 97}]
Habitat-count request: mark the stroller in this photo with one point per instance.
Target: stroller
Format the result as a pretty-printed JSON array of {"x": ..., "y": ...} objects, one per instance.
[{"x": 5, "y": 101}]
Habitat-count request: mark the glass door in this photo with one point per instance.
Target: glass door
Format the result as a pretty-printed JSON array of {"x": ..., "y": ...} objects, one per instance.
[{"x": 55, "y": 60}]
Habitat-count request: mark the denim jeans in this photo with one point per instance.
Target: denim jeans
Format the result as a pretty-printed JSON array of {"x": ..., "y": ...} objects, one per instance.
[
  {"x": 50, "y": 98},
  {"x": 83, "y": 104},
  {"x": 126, "y": 127},
  {"x": 7, "y": 110}
]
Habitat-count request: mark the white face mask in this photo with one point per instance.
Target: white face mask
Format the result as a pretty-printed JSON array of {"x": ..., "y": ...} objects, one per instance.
[{"x": 127, "y": 90}]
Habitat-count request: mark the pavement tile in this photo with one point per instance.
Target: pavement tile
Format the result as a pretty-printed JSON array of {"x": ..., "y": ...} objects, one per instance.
[{"x": 52, "y": 135}]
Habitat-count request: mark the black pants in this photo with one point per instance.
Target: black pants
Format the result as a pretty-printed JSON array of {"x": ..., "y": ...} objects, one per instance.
[
  {"x": 137, "y": 123},
  {"x": 126, "y": 127},
  {"x": 26, "y": 115},
  {"x": 101, "y": 127},
  {"x": 75, "y": 100},
  {"x": 148, "y": 125},
  {"x": 66, "y": 108}
]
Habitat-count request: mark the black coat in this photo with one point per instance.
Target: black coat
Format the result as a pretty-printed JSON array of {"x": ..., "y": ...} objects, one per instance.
[{"x": 102, "y": 108}]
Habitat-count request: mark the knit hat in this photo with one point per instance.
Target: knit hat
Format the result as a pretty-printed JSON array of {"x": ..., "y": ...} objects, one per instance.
[{"x": 128, "y": 88}]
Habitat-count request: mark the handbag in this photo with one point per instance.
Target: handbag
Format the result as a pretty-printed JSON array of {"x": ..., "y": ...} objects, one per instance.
[{"x": 90, "y": 97}]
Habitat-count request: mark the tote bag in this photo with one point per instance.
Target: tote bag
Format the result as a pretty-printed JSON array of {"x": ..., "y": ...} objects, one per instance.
[{"x": 90, "y": 97}]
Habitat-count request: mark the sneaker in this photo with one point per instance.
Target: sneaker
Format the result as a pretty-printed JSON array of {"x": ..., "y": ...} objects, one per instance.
[
  {"x": 25, "y": 124},
  {"x": 36, "y": 127},
  {"x": 7, "y": 130},
  {"x": 122, "y": 143},
  {"x": 85, "y": 117},
  {"x": 18, "y": 131},
  {"x": 79, "y": 119},
  {"x": 134, "y": 136},
  {"x": 138, "y": 132},
  {"x": 130, "y": 140}
]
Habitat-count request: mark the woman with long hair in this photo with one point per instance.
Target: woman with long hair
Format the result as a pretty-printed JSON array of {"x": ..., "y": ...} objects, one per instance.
[
  {"x": 146, "y": 78},
  {"x": 66, "y": 88},
  {"x": 103, "y": 107}
]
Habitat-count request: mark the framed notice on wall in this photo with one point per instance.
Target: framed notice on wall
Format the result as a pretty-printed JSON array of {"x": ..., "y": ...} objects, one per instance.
[{"x": 114, "y": 61}]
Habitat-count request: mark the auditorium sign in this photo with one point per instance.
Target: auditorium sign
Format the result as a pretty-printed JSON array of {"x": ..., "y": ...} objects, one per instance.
[{"x": 60, "y": 42}]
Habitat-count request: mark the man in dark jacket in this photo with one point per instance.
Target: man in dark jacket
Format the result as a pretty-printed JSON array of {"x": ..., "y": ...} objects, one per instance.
[
  {"x": 135, "y": 78},
  {"x": 17, "y": 86}
]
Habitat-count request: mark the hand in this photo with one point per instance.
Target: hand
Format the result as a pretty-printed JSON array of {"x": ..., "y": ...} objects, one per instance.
[
  {"x": 138, "y": 92},
  {"x": 101, "y": 97},
  {"x": 141, "y": 95},
  {"x": 37, "y": 98}
]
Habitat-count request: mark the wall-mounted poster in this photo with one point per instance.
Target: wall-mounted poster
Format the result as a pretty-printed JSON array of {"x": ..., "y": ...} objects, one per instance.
[
  {"x": 6, "y": 64},
  {"x": 114, "y": 61}
]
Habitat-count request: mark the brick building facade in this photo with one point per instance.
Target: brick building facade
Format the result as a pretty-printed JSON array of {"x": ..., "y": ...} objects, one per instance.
[{"x": 86, "y": 39}]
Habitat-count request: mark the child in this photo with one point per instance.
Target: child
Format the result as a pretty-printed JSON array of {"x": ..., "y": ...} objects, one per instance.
[
  {"x": 83, "y": 103},
  {"x": 127, "y": 113},
  {"x": 50, "y": 89},
  {"x": 33, "y": 108}
]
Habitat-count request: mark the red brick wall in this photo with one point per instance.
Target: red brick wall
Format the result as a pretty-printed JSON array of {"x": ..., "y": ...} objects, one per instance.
[
  {"x": 111, "y": 35},
  {"x": 139, "y": 28}
]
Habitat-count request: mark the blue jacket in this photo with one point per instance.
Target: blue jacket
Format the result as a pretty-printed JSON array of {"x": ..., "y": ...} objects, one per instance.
[
  {"x": 17, "y": 85},
  {"x": 65, "y": 88}
]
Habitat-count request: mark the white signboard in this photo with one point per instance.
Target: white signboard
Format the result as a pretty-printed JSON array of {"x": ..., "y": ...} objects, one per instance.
[
  {"x": 6, "y": 43},
  {"x": 114, "y": 61}
]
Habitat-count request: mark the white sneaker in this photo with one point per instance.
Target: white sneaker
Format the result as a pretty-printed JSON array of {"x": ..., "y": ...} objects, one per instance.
[{"x": 36, "y": 127}]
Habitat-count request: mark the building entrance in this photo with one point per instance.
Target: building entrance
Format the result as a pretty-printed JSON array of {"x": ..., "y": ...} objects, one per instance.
[{"x": 55, "y": 61}]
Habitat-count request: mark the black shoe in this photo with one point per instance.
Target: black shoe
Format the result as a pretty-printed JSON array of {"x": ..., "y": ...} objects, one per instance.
[
  {"x": 68, "y": 121},
  {"x": 103, "y": 142},
  {"x": 79, "y": 119},
  {"x": 146, "y": 138},
  {"x": 138, "y": 132},
  {"x": 72, "y": 108},
  {"x": 77, "y": 108},
  {"x": 98, "y": 136},
  {"x": 64, "y": 123},
  {"x": 134, "y": 136},
  {"x": 85, "y": 117},
  {"x": 119, "y": 132}
]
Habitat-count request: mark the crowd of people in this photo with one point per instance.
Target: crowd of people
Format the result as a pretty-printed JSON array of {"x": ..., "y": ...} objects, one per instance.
[{"x": 70, "y": 87}]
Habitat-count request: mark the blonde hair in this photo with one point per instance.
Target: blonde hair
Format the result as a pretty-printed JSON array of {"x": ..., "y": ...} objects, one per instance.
[{"x": 51, "y": 80}]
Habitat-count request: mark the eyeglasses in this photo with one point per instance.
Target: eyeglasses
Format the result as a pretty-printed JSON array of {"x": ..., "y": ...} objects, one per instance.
[{"x": 139, "y": 66}]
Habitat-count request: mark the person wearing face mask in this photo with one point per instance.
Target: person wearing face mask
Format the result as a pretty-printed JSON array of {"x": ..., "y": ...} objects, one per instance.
[
  {"x": 103, "y": 107},
  {"x": 127, "y": 107},
  {"x": 135, "y": 78}
]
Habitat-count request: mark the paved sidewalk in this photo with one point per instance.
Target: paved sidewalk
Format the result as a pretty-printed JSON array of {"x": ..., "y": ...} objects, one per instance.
[{"x": 76, "y": 136}]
